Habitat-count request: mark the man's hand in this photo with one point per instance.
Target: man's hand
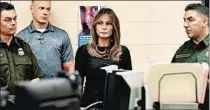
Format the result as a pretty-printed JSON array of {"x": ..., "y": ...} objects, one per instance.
[{"x": 69, "y": 67}]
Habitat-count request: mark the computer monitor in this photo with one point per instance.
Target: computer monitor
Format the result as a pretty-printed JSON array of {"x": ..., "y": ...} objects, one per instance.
[
  {"x": 48, "y": 94},
  {"x": 123, "y": 90}
]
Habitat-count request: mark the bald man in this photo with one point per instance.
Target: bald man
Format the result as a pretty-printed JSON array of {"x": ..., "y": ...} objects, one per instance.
[{"x": 50, "y": 44}]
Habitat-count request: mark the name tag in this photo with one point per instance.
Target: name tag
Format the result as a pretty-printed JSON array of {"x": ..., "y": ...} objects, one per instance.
[{"x": 183, "y": 56}]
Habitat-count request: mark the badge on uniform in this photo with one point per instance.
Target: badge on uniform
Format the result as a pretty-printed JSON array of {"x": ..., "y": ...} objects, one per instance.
[
  {"x": 20, "y": 52},
  {"x": 182, "y": 55}
]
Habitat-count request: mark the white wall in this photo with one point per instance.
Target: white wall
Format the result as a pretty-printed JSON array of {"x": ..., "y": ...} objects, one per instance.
[{"x": 150, "y": 29}]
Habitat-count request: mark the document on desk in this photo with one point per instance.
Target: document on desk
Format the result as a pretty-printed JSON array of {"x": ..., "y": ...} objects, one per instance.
[{"x": 110, "y": 68}]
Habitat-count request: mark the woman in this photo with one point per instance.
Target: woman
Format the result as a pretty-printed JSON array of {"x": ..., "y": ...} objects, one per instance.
[{"x": 103, "y": 49}]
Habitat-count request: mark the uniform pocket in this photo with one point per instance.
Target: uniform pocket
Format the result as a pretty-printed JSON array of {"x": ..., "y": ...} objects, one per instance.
[
  {"x": 3, "y": 61},
  {"x": 23, "y": 60},
  {"x": 4, "y": 68},
  {"x": 23, "y": 67}
]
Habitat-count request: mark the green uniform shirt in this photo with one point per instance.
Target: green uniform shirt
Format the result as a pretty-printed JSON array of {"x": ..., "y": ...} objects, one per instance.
[
  {"x": 190, "y": 52},
  {"x": 17, "y": 63}
]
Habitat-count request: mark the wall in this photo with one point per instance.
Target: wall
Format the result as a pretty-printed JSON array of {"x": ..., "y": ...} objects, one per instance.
[{"x": 152, "y": 30}]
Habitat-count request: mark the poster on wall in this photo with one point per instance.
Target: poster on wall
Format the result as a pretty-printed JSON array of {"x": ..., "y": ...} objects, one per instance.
[{"x": 86, "y": 15}]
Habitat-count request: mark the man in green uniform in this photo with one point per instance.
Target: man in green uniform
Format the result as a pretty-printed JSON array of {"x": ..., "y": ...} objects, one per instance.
[
  {"x": 196, "y": 24},
  {"x": 17, "y": 62}
]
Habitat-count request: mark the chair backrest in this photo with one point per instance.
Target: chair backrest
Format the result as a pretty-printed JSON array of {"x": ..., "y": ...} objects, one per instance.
[{"x": 177, "y": 83}]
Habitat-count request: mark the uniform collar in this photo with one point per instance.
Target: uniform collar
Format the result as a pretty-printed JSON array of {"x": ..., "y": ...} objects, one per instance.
[
  {"x": 14, "y": 41},
  {"x": 206, "y": 40},
  {"x": 32, "y": 29},
  {"x": 203, "y": 43}
]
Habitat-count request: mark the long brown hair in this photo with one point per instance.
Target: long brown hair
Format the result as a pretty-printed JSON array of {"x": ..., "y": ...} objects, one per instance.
[{"x": 113, "y": 53}]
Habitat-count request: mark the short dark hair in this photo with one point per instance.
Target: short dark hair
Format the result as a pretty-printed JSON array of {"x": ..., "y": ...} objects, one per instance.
[
  {"x": 200, "y": 8},
  {"x": 6, "y": 6}
]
